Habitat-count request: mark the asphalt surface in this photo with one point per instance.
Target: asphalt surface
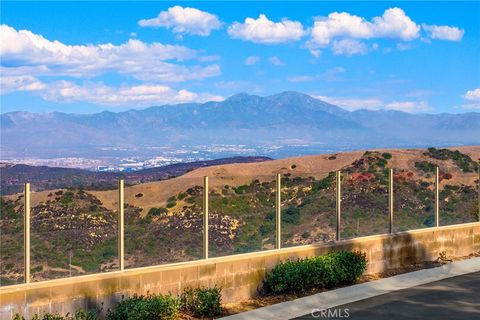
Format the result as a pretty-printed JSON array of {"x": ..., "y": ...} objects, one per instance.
[{"x": 449, "y": 299}]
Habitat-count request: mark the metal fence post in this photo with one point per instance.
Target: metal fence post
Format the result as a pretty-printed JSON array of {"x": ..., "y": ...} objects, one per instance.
[
  {"x": 437, "y": 221},
  {"x": 26, "y": 234},
  {"x": 278, "y": 212},
  {"x": 121, "y": 235},
  {"x": 478, "y": 186},
  {"x": 339, "y": 202},
  {"x": 205, "y": 217},
  {"x": 390, "y": 198}
]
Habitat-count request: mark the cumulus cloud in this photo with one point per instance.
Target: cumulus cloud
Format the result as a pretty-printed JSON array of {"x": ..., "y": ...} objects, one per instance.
[
  {"x": 353, "y": 104},
  {"x": 472, "y": 95},
  {"x": 251, "y": 60},
  {"x": 137, "y": 95},
  {"x": 263, "y": 30},
  {"x": 449, "y": 33},
  {"x": 348, "y": 47},
  {"x": 184, "y": 21},
  {"x": 472, "y": 98},
  {"x": 20, "y": 83},
  {"x": 394, "y": 24},
  {"x": 28, "y": 53}
]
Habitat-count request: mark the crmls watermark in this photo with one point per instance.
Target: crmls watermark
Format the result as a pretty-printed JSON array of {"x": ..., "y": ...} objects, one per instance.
[{"x": 333, "y": 313}]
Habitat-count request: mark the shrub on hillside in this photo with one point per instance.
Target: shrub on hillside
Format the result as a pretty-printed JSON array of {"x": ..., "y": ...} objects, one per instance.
[{"x": 326, "y": 271}]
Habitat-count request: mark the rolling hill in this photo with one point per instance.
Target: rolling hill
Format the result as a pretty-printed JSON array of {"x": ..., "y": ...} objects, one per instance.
[{"x": 13, "y": 176}]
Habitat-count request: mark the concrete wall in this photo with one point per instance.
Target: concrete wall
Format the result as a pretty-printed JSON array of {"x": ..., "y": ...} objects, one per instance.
[{"x": 239, "y": 276}]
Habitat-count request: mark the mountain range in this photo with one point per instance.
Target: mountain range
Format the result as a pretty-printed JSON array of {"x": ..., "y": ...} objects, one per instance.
[{"x": 282, "y": 119}]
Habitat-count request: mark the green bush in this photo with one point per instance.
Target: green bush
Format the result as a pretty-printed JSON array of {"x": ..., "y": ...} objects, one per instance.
[
  {"x": 382, "y": 162},
  {"x": 387, "y": 156},
  {"x": 425, "y": 166},
  {"x": 292, "y": 215},
  {"x": 203, "y": 302},
  {"x": 156, "y": 212},
  {"x": 241, "y": 189},
  {"x": 325, "y": 183},
  {"x": 146, "y": 307},
  {"x": 171, "y": 204},
  {"x": 330, "y": 270},
  {"x": 78, "y": 315}
]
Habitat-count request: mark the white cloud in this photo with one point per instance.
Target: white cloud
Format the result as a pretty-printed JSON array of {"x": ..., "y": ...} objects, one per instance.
[
  {"x": 251, "y": 60},
  {"x": 348, "y": 47},
  {"x": 301, "y": 78},
  {"x": 444, "y": 32},
  {"x": 20, "y": 83},
  {"x": 30, "y": 54},
  {"x": 472, "y": 98},
  {"x": 394, "y": 23},
  {"x": 263, "y": 30},
  {"x": 276, "y": 61},
  {"x": 184, "y": 21},
  {"x": 353, "y": 104},
  {"x": 133, "y": 96},
  {"x": 472, "y": 95}
]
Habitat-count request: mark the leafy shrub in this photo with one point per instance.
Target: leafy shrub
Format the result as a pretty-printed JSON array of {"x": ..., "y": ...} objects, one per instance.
[
  {"x": 325, "y": 183},
  {"x": 77, "y": 315},
  {"x": 241, "y": 189},
  {"x": 181, "y": 196},
  {"x": 146, "y": 307},
  {"x": 326, "y": 271},
  {"x": 292, "y": 215},
  {"x": 67, "y": 198},
  {"x": 382, "y": 162},
  {"x": 462, "y": 160},
  {"x": 203, "y": 302},
  {"x": 171, "y": 204},
  {"x": 156, "y": 212},
  {"x": 425, "y": 166},
  {"x": 387, "y": 156}
]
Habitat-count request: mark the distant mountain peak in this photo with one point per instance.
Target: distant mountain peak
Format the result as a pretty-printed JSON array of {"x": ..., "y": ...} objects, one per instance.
[{"x": 240, "y": 97}]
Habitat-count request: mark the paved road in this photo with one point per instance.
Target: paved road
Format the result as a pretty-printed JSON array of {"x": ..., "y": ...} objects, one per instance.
[{"x": 449, "y": 299}]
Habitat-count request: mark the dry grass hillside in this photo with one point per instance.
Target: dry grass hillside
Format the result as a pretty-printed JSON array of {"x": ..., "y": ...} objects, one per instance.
[{"x": 155, "y": 194}]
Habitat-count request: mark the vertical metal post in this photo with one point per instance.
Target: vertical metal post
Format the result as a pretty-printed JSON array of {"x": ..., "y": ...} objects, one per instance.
[
  {"x": 278, "y": 212},
  {"x": 205, "y": 217},
  {"x": 121, "y": 235},
  {"x": 478, "y": 186},
  {"x": 390, "y": 198},
  {"x": 339, "y": 202},
  {"x": 26, "y": 234},
  {"x": 437, "y": 221}
]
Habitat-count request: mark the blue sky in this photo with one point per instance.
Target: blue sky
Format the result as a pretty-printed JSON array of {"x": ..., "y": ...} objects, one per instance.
[{"x": 93, "y": 56}]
